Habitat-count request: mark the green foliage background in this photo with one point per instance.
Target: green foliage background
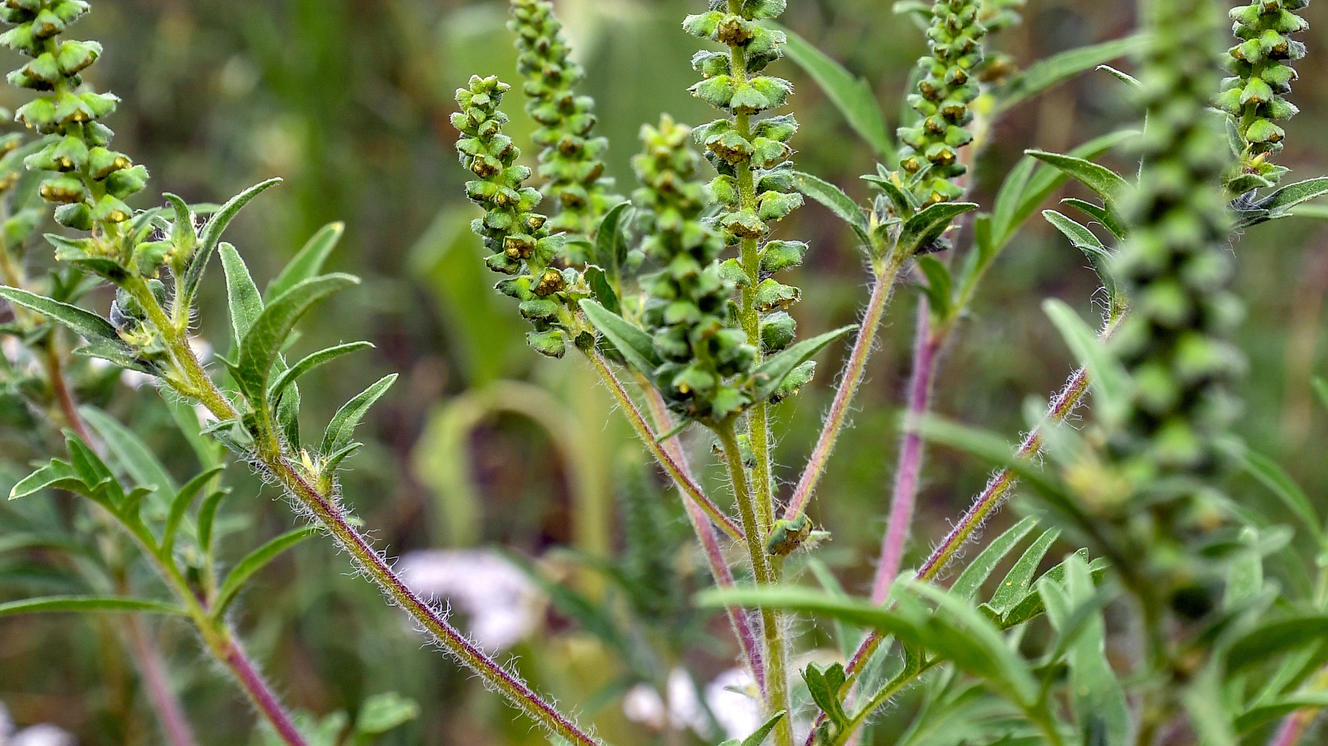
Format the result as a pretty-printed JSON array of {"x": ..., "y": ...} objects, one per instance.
[{"x": 348, "y": 100}]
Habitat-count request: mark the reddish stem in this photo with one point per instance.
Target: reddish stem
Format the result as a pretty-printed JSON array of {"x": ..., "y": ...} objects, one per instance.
[
  {"x": 262, "y": 696},
  {"x": 905, "y": 495}
]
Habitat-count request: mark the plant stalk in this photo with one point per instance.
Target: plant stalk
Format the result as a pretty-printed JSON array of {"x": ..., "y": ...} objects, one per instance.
[
  {"x": 705, "y": 533},
  {"x": 777, "y": 692},
  {"x": 675, "y": 470},
  {"x": 855, "y": 369},
  {"x": 909, "y": 467}
]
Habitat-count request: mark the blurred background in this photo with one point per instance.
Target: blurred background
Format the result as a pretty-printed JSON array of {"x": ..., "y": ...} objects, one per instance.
[{"x": 482, "y": 443}]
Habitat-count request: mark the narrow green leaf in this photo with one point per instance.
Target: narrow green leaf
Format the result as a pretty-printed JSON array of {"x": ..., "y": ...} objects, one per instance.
[
  {"x": 89, "y": 604},
  {"x": 57, "y": 475},
  {"x": 342, "y": 427},
  {"x": 1108, "y": 377},
  {"x": 1273, "y": 638},
  {"x": 977, "y": 571},
  {"x": 602, "y": 288},
  {"x": 928, "y": 224},
  {"x": 1278, "y": 482},
  {"x": 1106, "y": 183},
  {"x": 262, "y": 344},
  {"x": 1019, "y": 579},
  {"x": 1282, "y": 200},
  {"x": 630, "y": 340},
  {"x": 210, "y": 235},
  {"x": 207, "y": 515},
  {"x": 1122, "y": 76},
  {"x": 834, "y": 199},
  {"x": 130, "y": 451},
  {"x": 1061, "y": 67},
  {"x": 770, "y": 374},
  {"x": 241, "y": 293},
  {"x": 180, "y": 505},
  {"x": 939, "y": 285},
  {"x": 610, "y": 244},
  {"x": 1083, "y": 239},
  {"x": 120, "y": 354},
  {"x": 1270, "y": 711},
  {"x": 1017, "y": 206},
  {"x": 86, "y": 324},
  {"x": 851, "y": 95},
  {"x": 1321, "y": 388},
  {"x": 253, "y": 562},
  {"x": 1109, "y": 219},
  {"x": 291, "y": 374},
  {"x": 307, "y": 262}
]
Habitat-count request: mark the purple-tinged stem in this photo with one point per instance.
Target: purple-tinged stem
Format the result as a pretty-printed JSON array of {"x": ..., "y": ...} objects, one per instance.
[
  {"x": 905, "y": 495},
  {"x": 1294, "y": 725},
  {"x": 651, "y": 441},
  {"x": 851, "y": 378},
  {"x": 983, "y": 506},
  {"x": 705, "y": 532},
  {"x": 174, "y": 723},
  {"x": 261, "y": 695}
]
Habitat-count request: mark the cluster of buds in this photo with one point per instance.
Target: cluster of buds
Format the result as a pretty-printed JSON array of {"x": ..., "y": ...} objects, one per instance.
[
  {"x": 1255, "y": 94},
  {"x": 88, "y": 180},
  {"x": 754, "y": 187},
  {"x": 687, "y": 306},
  {"x": 516, "y": 235},
  {"x": 571, "y": 161},
  {"x": 947, "y": 88},
  {"x": 1178, "y": 273}
]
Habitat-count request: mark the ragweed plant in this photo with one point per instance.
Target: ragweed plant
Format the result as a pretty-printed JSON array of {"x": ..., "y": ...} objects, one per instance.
[{"x": 678, "y": 300}]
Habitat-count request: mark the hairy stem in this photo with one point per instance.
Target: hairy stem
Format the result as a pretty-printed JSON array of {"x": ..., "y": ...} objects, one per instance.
[
  {"x": 705, "y": 533},
  {"x": 195, "y": 382},
  {"x": 674, "y": 469},
  {"x": 854, "y": 370},
  {"x": 909, "y": 467},
  {"x": 776, "y": 693}
]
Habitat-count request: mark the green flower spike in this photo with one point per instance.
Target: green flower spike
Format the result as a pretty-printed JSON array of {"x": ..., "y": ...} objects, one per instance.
[
  {"x": 89, "y": 182},
  {"x": 516, "y": 235},
  {"x": 571, "y": 160},
  {"x": 686, "y": 310},
  {"x": 948, "y": 86},
  {"x": 1178, "y": 272},
  {"x": 1255, "y": 95},
  {"x": 754, "y": 187}
]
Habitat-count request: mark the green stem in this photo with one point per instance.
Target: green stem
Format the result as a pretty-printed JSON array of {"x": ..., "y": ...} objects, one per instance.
[
  {"x": 193, "y": 381},
  {"x": 777, "y": 692}
]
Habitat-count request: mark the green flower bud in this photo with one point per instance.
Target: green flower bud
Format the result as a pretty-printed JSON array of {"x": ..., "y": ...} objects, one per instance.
[
  {"x": 570, "y": 160},
  {"x": 1255, "y": 95},
  {"x": 946, "y": 89}
]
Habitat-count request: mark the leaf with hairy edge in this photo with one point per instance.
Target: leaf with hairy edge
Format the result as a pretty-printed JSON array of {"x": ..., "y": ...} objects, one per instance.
[
  {"x": 86, "y": 604},
  {"x": 253, "y": 562},
  {"x": 134, "y": 456},
  {"x": 241, "y": 293},
  {"x": 210, "y": 236},
  {"x": 976, "y": 572},
  {"x": 120, "y": 354},
  {"x": 1019, "y": 579},
  {"x": 180, "y": 505},
  {"x": 342, "y": 427},
  {"x": 183, "y": 234},
  {"x": 1107, "y": 375},
  {"x": 773, "y": 371},
  {"x": 1061, "y": 67},
  {"x": 86, "y": 324},
  {"x": 851, "y": 95},
  {"x": 602, "y": 288},
  {"x": 306, "y": 364},
  {"x": 1099, "y": 213},
  {"x": 824, "y": 687},
  {"x": 928, "y": 225},
  {"x": 56, "y": 474},
  {"x": 307, "y": 262},
  {"x": 1279, "y": 204},
  {"x": 629, "y": 339},
  {"x": 836, "y": 201},
  {"x": 1083, "y": 239},
  {"x": 262, "y": 344},
  {"x": 1108, "y": 184}
]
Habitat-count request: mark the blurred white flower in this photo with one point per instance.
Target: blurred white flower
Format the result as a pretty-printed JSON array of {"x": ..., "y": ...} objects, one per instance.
[
  {"x": 502, "y": 605},
  {"x": 37, "y": 735},
  {"x": 731, "y": 698}
]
